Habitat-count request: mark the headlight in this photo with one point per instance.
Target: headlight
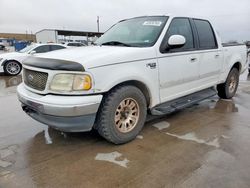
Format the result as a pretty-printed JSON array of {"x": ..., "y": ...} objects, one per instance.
[{"x": 71, "y": 82}]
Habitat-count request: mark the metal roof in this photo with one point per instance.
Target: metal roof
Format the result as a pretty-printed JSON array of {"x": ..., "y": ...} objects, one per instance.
[
  {"x": 74, "y": 33},
  {"x": 78, "y": 33}
]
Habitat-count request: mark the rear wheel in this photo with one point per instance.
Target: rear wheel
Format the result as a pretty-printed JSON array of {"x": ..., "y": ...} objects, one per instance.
[
  {"x": 12, "y": 68},
  {"x": 122, "y": 114},
  {"x": 228, "y": 89}
]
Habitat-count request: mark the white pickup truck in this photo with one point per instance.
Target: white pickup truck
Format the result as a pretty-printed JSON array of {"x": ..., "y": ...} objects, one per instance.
[{"x": 151, "y": 64}]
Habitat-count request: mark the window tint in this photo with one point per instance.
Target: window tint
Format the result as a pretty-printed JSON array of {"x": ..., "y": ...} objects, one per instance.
[
  {"x": 75, "y": 44},
  {"x": 56, "y": 47},
  {"x": 205, "y": 34},
  {"x": 72, "y": 44},
  {"x": 42, "y": 49},
  {"x": 181, "y": 26}
]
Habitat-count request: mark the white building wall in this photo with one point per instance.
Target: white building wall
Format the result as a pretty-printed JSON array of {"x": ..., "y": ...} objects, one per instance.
[{"x": 46, "y": 36}]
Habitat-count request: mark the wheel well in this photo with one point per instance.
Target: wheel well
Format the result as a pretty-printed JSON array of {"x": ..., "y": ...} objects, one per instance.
[
  {"x": 139, "y": 85},
  {"x": 237, "y": 65},
  {"x": 11, "y": 60}
]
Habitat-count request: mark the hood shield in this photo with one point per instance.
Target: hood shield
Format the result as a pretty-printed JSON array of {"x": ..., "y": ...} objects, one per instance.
[{"x": 53, "y": 64}]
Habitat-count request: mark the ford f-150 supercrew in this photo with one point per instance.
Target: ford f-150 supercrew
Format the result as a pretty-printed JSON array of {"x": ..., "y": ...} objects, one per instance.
[{"x": 151, "y": 64}]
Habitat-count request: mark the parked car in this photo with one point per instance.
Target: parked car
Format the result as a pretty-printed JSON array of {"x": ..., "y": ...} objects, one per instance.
[
  {"x": 2, "y": 47},
  {"x": 11, "y": 63},
  {"x": 152, "y": 64},
  {"x": 74, "y": 44}
]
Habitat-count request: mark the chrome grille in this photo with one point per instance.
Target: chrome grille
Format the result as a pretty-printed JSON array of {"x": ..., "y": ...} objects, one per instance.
[{"x": 34, "y": 79}]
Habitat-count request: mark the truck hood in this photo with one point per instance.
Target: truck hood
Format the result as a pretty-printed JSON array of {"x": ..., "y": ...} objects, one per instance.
[{"x": 96, "y": 56}]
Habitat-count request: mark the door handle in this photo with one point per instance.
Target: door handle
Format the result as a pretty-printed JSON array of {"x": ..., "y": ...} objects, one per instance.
[
  {"x": 151, "y": 65},
  {"x": 193, "y": 59},
  {"x": 217, "y": 55}
]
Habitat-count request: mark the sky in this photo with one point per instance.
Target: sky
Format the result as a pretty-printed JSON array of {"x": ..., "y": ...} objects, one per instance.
[{"x": 231, "y": 18}]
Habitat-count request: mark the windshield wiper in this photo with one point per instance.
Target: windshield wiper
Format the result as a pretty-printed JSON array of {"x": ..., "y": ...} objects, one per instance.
[{"x": 116, "y": 43}]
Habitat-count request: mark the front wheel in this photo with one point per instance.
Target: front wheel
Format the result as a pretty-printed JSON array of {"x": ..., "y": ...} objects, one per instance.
[
  {"x": 122, "y": 114},
  {"x": 12, "y": 68},
  {"x": 228, "y": 89}
]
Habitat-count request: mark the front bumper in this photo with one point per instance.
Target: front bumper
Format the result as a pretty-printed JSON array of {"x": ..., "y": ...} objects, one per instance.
[{"x": 65, "y": 113}]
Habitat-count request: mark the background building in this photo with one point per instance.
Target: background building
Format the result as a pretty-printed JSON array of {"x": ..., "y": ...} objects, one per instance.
[
  {"x": 18, "y": 36},
  {"x": 58, "y": 36}
]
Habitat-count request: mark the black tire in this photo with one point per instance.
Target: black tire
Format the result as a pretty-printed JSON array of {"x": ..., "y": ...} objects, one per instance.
[
  {"x": 17, "y": 68},
  {"x": 112, "y": 130},
  {"x": 228, "y": 89}
]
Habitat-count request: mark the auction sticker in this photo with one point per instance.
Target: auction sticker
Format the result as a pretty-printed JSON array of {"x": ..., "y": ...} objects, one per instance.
[{"x": 152, "y": 23}]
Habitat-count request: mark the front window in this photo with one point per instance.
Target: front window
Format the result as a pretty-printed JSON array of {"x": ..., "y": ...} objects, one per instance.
[
  {"x": 181, "y": 26},
  {"x": 135, "y": 32}
]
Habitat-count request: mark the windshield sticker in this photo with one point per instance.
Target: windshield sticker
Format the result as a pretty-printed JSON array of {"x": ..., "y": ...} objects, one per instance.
[{"x": 152, "y": 23}]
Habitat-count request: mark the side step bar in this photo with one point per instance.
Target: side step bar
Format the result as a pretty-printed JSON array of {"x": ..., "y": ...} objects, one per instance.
[{"x": 183, "y": 102}]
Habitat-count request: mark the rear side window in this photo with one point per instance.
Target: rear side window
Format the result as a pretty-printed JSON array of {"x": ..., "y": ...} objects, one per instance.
[
  {"x": 72, "y": 44},
  {"x": 181, "y": 26},
  {"x": 75, "y": 44},
  {"x": 205, "y": 34},
  {"x": 56, "y": 47},
  {"x": 42, "y": 49}
]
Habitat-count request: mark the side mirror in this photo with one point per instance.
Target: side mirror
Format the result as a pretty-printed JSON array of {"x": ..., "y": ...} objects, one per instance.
[
  {"x": 32, "y": 52},
  {"x": 176, "y": 41}
]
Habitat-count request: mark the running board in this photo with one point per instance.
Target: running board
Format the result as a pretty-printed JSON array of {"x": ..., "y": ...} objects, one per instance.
[{"x": 183, "y": 102}]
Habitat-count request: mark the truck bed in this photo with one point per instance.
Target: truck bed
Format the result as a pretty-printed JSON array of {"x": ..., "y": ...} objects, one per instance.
[{"x": 235, "y": 52}]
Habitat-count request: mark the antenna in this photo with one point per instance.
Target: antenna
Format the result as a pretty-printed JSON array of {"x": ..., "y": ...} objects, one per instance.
[{"x": 98, "y": 24}]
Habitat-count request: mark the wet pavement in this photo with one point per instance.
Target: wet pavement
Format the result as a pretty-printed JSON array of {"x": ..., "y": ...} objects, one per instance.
[{"x": 206, "y": 145}]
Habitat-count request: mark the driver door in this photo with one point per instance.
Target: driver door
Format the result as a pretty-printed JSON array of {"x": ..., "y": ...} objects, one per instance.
[{"x": 178, "y": 67}]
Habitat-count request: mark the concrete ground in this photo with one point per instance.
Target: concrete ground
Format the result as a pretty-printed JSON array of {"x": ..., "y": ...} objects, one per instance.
[{"x": 206, "y": 145}]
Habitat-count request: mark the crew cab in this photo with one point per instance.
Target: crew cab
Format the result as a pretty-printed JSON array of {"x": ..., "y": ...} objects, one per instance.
[
  {"x": 11, "y": 63},
  {"x": 144, "y": 65}
]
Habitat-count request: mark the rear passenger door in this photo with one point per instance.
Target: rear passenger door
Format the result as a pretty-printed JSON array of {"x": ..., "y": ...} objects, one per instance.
[
  {"x": 211, "y": 56},
  {"x": 178, "y": 68}
]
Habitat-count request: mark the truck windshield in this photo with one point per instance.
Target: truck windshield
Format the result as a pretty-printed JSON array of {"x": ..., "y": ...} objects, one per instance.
[{"x": 135, "y": 32}]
